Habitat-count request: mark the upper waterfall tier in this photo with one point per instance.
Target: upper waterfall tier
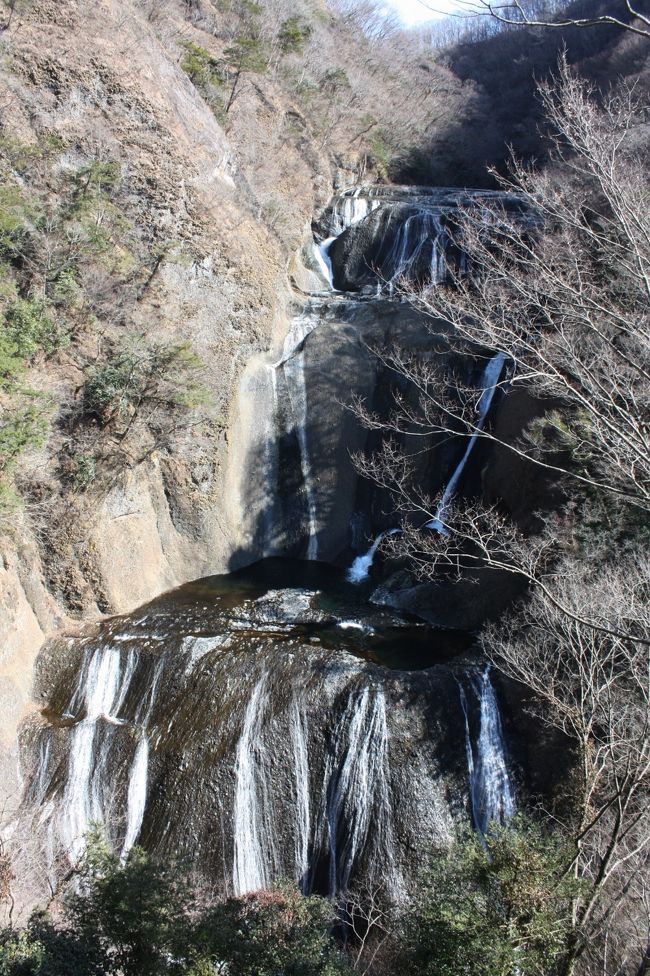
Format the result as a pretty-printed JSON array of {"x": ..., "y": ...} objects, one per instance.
[{"x": 369, "y": 238}]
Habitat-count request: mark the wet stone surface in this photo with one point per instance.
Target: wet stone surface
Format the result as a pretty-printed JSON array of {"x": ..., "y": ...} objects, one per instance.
[{"x": 270, "y": 723}]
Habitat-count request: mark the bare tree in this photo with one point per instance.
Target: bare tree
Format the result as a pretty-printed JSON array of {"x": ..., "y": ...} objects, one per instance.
[
  {"x": 558, "y": 284},
  {"x": 551, "y": 13},
  {"x": 366, "y": 913},
  {"x": 594, "y": 688}
]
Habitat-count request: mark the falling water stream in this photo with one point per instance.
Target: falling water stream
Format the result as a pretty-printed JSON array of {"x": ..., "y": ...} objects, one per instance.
[
  {"x": 488, "y": 385},
  {"x": 491, "y": 792}
]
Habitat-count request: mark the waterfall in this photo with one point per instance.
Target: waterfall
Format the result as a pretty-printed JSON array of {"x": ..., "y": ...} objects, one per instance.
[
  {"x": 491, "y": 793},
  {"x": 350, "y": 208},
  {"x": 292, "y": 363},
  {"x": 40, "y": 782},
  {"x": 303, "y": 813},
  {"x": 417, "y": 232},
  {"x": 253, "y": 829},
  {"x": 362, "y": 565},
  {"x": 137, "y": 792},
  {"x": 101, "y": 690},
  {"x": 137, "y": 795},
  {"x": 321, "y": 252},
  {"x": 439, "y": 259},
  {"x": 269, "y": 754},
  {"x": 104, "y": 681},
  {"x": 294, "y": 370},
  {"x": 489, "y": 382},
  {"x": 358, "y": 790}
]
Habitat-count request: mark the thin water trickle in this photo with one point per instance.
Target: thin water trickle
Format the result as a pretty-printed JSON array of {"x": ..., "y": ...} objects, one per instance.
[
  {"x": 137, "y": 795},
  {"x": 298, "y": 731},
  {"x": 292, "y": 364},
  {"x": 488, "y": 385}
]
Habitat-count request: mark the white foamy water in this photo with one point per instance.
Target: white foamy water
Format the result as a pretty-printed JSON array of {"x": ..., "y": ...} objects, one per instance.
[
  {"x": 298, "y": 732},
  {"x": 101, "y": 691},
  {"x": 252, "y": 843},
  {"x": 491, "y": 792},
  {"x": 321, "y": 253},
  {"x": 137, "y": 794},
  {"x": 358, "y": 795},
  {"x": 360, "y": 568},
  {"x": 489, "y": 382}
]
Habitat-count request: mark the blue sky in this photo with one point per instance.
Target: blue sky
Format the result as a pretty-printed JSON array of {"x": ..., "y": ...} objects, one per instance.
[{"x": 413, "y": 12}]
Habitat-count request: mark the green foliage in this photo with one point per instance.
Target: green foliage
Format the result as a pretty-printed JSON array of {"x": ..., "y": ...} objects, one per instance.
[
  {"x": 84, "y": 470},
  {"x": 247, "y": 54},
  {"x": 23, "y": 426},
  {"x": 202, "y": 68},
  {"x": 30, "y": 329},
  {"x": 273, "y": 932},
  {"x": 26, "y": 330},
  {"x": 293, "y": 35},
  {"x": 137, "y": 914},
  {"x": 20, "y": 953},
  {"x": 141, "y": 919},
  {"x": 336, "y": 80},
  {"x": 20, "y": 429},
  {"x": 69, "y": 257},
  {"x": 97, "y": 177},
  {"x": 20, "y": 155},
  {"x": 110, "y": 388},
  {"x": 499, "y": 909},
  {"x": 156, "y": 376},
  {"x": 42, "y": 949},
  {"x": 45, "y": 240},
  {"x": 65, "y": 289},
  {"x": 208, "y": 75},
  {"x": 381, "y": 151},
  {"x": 18, "y": 212}
]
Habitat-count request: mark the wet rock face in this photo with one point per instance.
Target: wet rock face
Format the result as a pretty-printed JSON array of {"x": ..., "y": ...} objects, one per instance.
[
  {"x": 301, "y": 493},
  {"x": 224, "y": 733},
  {"x": 386, "y": 233},
  {"x": 389, "y": 243},
  {"x": 460, "y": 604}
]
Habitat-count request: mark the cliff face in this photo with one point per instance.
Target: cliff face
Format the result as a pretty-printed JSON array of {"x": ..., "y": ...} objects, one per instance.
[{"x": 102, "y": 81}]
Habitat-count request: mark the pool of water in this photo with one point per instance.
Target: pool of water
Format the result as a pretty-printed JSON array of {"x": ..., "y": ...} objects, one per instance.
[{"x": 298, "y": 601}]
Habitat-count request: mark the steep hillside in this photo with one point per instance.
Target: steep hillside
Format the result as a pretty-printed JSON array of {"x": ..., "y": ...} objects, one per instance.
[{"x": 502, "y": 70}]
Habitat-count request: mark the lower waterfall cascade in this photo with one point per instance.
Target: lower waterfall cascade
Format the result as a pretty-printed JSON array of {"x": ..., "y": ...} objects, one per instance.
[
  {"x": 491, "y": 792},
  {"x": 255, "y": 731},
  {"x": 273, "y": 722}
]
